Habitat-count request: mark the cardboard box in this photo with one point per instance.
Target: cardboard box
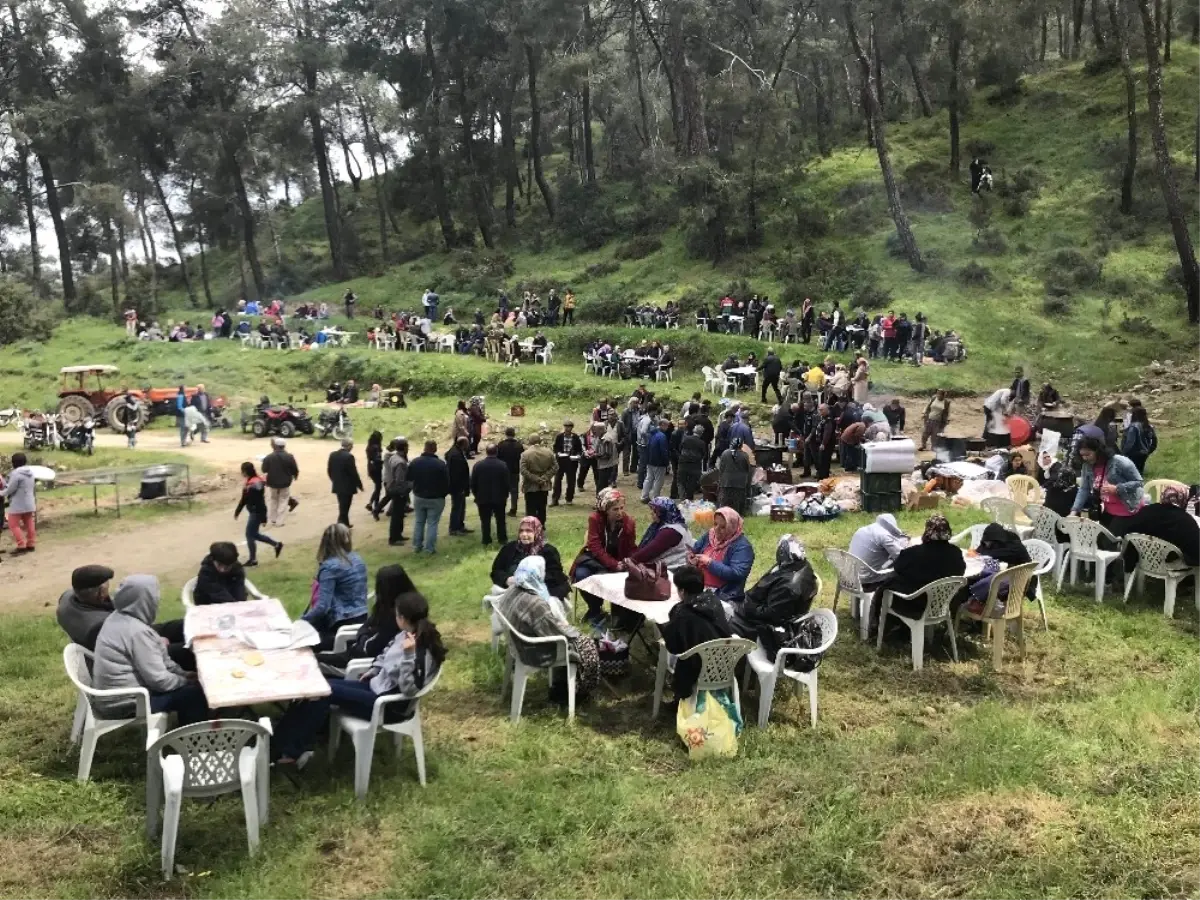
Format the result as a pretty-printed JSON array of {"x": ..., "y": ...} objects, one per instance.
[{"x": 916, "y": 500}]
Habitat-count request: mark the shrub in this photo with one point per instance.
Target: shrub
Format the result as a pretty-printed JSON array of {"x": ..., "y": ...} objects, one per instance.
[
  {"x": 812, "y": 221},
  {"x": 585, "y": 214},
  {"x": 638, "y": 247},
  {"x": 975, "y": 275},
  {"x": 983, "y": 149},
  {"x": 871, "y": 296},
  {"x": 1104, "y": 61},
  {"x": 981, "y": 212},
  {"x": 990, "y": 241},
  {"x": 1017, "y": 206},
  {"x": 934, "y": 264},
  {"x": 856, "y": 191},
  {"x": 598, "y": 270},
  {"x": 1173, "y": 276},
  {"x": 924, "y": 187},
  {"x": 607, "y": 306},
  {"x": 1139, "y": 325},
  {"x": 1057, "y": 307},
  {"x": 1071, "y": 267},
  {"x": 23, "y": 317},
  {"x": 895, "y": 247}
]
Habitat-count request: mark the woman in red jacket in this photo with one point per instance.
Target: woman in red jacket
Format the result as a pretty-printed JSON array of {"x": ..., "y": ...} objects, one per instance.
[{"x": 610, "y": 539}]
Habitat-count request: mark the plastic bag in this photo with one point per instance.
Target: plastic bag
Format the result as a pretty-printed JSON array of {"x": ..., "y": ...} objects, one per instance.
[{"x": 709, "y": 724}]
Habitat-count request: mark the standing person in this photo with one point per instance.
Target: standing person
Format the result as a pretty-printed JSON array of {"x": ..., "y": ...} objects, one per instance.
[
  {"x": 181, "y": 403},
  {"x": 807, "y": 315},
  {"x": 1110, "y": 486},
  {"x": 1021, "y": 389},
  {"x": 348, "y": 300},
  {"x": 818, "y": 446},
  {"x": 888, "y": 327},
  {"x": 200, "y": 400},
  {"x": 459, "y": 471},
  {"x": 644, "y": 425},
  {"x": 343, "y": 479},
  {"x": 340, "y": 592},
  {"x": 658, "y": 456},
  {"x": 568, "y": 307},
  {"x": 735, "y": 472},
  {"x": 374, "y": 453},
  {"x": 21, "y": 505},
  {"x": 629, "y": 419},
  {"x": 1139, "y": 440},
  {"x": 860, "y": 382},
  {"x": 721, "y": 440},
  {"x": 255, "y": 505},
  {"x": 608, "y": 452},
  {"x": 133, "y": 415},
  {"x": 509, "y": 452},
  {"x": 935, "y": 418},
  {"x": 920, "y": 331},
  {"x": 461, "y": 426},
  {"x": 279, "y": 471},
  {"x": 476, "y": 420},
  {"x": 568, "y": 450},
  {"x": 591, "y": 440},
  {"x": 398, "y": 487},
  {"x": 895, "y": 415},
  {"x": 692, "y": 456},
  {"x": 998, "y": 407},
  {"x": 489, "y": 483},
  {"x": 430, "y": 479},
  {"x": 538, "y": 468},
  {"x": 193, "y": 419},
  {"x": 772, "y": 368}
]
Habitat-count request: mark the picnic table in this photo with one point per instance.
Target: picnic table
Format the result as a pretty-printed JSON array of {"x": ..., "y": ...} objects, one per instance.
[
  {"x": 610, "y": 586},
  {"x": 974, "y": 561},
  {"x": 232, "y": 672}
]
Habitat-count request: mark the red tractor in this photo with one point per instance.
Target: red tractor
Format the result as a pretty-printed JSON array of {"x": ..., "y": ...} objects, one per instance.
[{"x": 78, "y": 402}]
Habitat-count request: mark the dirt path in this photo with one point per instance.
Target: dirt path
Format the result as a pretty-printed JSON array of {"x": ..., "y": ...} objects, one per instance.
[{"x": 173, "y": 547}]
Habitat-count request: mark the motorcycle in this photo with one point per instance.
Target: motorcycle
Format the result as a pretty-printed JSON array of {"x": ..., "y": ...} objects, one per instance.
[
  {"x": 80, "y": 438},
  {"x": 40, "y": 431},
  {"x": 9, "y": 416},
  {"x": 218, "y": 417},
  {"x": 335, "y": 422}
]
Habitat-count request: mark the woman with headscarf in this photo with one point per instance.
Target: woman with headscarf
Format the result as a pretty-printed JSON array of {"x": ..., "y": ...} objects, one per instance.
[
  {"x": 531, "y": 541},
  {"x": 697, "y": 618},
  {"x": 1167, "y": 520},
  {"x": 782, "y": 595},
  {"x": 529, "y": 608},
  {"x": 924, "y": 563},
  {"x": 860, "y": 381},
  {"x": 610, "y": 540},
  {"x": 1003, "y": 546},
  {"x": 666, "y": 539},
  {"x": 733, "y": 488},
  {"x": 725, "y": 556}
]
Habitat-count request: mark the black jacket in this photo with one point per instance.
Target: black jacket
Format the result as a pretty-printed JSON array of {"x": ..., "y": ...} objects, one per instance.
[
  {"x": 509, "y": 451},
  {"x": 693, "y": 622},
  {"x": 490, "y": 482},
  {"x": 279, "y": 469},
  {"x": 782, "y": 595},
  {"x": 459, "y": 471},
  {"x": 214, "y": 587},
  {"x": 691, "y": 453},
  {"x": 343, "y": 473},
  {"x": 772, "y": 367},
  {"x": 253, "y": 500},
  {"x": 1168, "y": 523},
  {"x": 895, "y": 417},
  {"x": 430, "y": 477},
  {"x": 510, "y": 557},
  {"x": 374, "y": 461},
  {"x": 566, "y": 446},
  {"x": 926, "y": 562}
]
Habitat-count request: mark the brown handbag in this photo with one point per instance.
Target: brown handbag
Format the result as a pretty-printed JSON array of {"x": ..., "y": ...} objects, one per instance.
[{"x": 646, "y": 583}]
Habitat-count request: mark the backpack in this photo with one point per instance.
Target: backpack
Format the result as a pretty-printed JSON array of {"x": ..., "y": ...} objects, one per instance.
[{"x": 1147, "y": 439}]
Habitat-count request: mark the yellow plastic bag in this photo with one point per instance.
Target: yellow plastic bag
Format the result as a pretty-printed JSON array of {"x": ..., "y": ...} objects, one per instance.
[{"x": 709, "y": 724}]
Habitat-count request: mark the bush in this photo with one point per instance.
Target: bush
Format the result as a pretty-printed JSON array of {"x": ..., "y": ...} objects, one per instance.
[
  {"x": 924, "y": 187},
  {"x": 1057, "y": 307},
  {"x": 856, "y": 191},
  {"x": 812, "y": 221},
  {"x": 895, "y": 247},
  {"x": 1104, "y": 61},
  {"x": 607, "y": 306},
  {"x": 982, "y": 149},
  {"x": 638, "y": 247},
  {"x": 23, "y": 317},
  {"x": 981, "y": 212},
  {"x": 478, "y": 272},
  {"x": 871, "y": 296},
  {"x": 816, "y": 271},
  {"x": 598, "y": 270},
  {"x": 1138, "y": 325},
  {"x": 975, "y": 275},
  {"x": 1071, "y": 268},
  {"x": 585, "y": 214},
  {"x": 1017, "y": 206},
  {"x": 990, "y": 241}
]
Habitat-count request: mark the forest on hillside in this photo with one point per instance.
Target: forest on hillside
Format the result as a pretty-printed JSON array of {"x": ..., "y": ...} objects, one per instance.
[{"x": 479, "y": 122}]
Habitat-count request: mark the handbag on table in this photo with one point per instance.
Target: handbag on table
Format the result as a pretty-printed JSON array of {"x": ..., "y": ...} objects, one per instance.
[{"x": 646, "y": 583}]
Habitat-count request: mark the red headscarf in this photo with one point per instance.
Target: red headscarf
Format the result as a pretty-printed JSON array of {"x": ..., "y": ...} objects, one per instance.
[{"x": 733, "y": 521}]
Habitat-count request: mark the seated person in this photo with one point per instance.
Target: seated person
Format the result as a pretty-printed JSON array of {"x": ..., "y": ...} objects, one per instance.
[
  {"x": 725, "y": 556},
  {"x": 921, "y": 564},
  {"x": 340, "y": 594},
  {"x": 380, "y": 629},
  {"x": 666, "y": 539},
  {"x": 877, "y": 545},
  {"x": 1015, "y": 466},
  {"x": 782, "y": 595},
  {"x": 1049, "y": 397},
  {"x": 1060, "y": 485},
  {"x": 1003, "y": 546},
  {"x": 697, "y": 618},
  {"x": 350, "y": 392},
  {"x": 531, "y": 541},
  {"x": 131, "y": 654},
  {"x": 221, "y": 578},
  {"x": 405, "y": 666},
  {"x": 1167, "y": 520},
  {"x": 528, "y": 607},
  {"x": 609, "y": 541}
]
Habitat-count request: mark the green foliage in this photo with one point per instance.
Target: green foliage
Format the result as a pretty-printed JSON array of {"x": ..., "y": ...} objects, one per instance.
[
  {"x": 598, "y": 270},
  {"x": 990, "y": 241},
  {"x": 924, "y": 187},
  {"x": 811, "y": 219},
  {"x": 478, "y": 272},
  {"x": 586, "y": 214},
  {"x": 1056, "y": 306},
  {"x": 638, "y": 247},
  {"x": 1068, "y": 268},
  {"x": 23, "y": 317},
  {"x": 973, "y": 274}
]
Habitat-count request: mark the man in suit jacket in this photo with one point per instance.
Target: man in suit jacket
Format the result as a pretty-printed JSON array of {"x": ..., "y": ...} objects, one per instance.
[
  {"x": 490, "y": 484},
  {"x": 343, "y": 477},
  {"x": 460, "y": 486}
]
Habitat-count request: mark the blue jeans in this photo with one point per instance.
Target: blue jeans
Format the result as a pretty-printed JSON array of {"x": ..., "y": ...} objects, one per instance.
[
  {"x": 253, "y": 535},
  {"x": 188, "y": 703},
  {"x": 655, "y": 475},
  {"x": 297, "y": 730},
  {"x": 183, "y": 434},
  {"x": 426, "y": 515}
]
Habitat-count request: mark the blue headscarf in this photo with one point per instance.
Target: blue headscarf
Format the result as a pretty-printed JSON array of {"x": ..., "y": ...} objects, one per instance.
[
  {"x": 531, "y": 576},
  {"x": 666, "y": 514}
]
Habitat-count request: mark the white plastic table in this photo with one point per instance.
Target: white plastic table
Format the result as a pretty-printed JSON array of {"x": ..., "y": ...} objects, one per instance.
[{"x": 610, "y": 586}]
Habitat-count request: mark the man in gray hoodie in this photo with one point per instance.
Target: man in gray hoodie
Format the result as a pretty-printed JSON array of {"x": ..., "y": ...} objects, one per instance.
[{"x": 131, "y": 654}]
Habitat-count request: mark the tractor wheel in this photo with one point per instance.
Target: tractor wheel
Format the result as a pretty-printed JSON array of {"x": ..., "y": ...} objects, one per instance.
[
  {"x": 259, "y": 428},
  {"x": 394, "y": 399},
  {"x": 286, "y": 430},
  {"x": 74, "y": 409},
  {"x": 114, "y": 414}
]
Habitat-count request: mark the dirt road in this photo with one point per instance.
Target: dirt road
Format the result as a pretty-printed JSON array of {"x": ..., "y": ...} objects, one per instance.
[{"x": 173, "y": 547}]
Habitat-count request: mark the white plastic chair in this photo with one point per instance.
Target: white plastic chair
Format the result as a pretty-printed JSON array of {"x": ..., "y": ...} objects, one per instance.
[
  {"x": 209, "y": 759},
  {"x": 712, "y": 379},
  {"x": 974, "y": 533},
  {"x": 1085, "y": 534},
  {"x": 445, "y": 343},
  {"x": 938, "y": 595},
  {"x": 1004, "y": 512},
  {"x": 89, "y": 727},
  {"x": 1153, "y": 489},
  {"x": 718, "y": 664},
  {"x": 363, "y": 732},
  {"x": 1045, "y": 558},
  {"x": 769, "y": 672},
  {"x": 1159, "y": 559},
  {"x": 518, "y": 671},
  {"x": 850, "y": 570},
  {"x": 728, "y": 381},
  {"x": 344, "y": 637},
  {"x": 544, "y": 355},
  {"x": 188, "y": 592},
  {"x": 702, "y": 323},
  {"x": 589, "y": 364},
  {"x": 1023, "y": 490},
  {"x": 663, "y": 373},
  {"x": 1017, "y": 579},
  {"x": 1046, "y": 528}
]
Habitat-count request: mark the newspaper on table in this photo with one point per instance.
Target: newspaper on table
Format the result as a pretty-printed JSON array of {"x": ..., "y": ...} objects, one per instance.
[
  {"x": 300, "y": 634},
  {"x": 224, "y": 619}
]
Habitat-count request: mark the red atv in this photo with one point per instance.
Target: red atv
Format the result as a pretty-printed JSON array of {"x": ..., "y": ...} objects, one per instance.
[{"x": 284, "y": 421}]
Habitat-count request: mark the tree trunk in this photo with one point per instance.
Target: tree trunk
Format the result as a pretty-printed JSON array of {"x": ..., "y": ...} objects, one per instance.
[
  {"x": 434, "y": 136},
  {"x": 691, "y": 98},
  {"x": 208, "y": 297},
  {"x": 676, "y": 127},
  {"x": 113, "y": 266},
  {"x": 247, "y": 216},
  {"x": 1166, "y": 173},
  {"x": 25, "y": 187},
  {"x": 1097, "y": 28},
  {"x": 877, "y": 63},
  {"x": 822, "y": 114},
  {"x": 370, "y": 146},
  {"x": 1119, "y": 35},
  {"x": 329, "y": 202},
  {"x": 589, "y": 157},
  {"x": 1045, "y": 36},
  {"x": 178, "y": 240},
  {"x": 956, "y": 41},
  {"x": 1076, "y": 27},
  {"x": 479, "y": 197},
  {"x": 1062, "y": 50},
  {"x": 895, "y": 206},
  {"x": 148, "y": 236},
  {"x": 60, "y": 232},
  {"x": 1170, "y": 14},
  {"x": 637, "y": 72},
  {"x": 508, "y": 154},
  {"x": 535, "y": 127},
  {"x": 919, "y": 84}
]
